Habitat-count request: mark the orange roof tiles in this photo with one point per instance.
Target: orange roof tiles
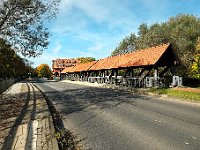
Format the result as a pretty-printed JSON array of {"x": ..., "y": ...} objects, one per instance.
[
  {"x": 143, "y": 57},
  {"x": 79, "y": 67},
  {"x": 62, "y": 63},
  {"x": 146, "y": 57},
  {"x": 83, "y": 67},
  {"x": 67, "y": 69}
]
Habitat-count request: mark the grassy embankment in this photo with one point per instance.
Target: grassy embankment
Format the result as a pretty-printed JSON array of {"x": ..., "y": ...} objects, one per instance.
[{"x": 184, "y": 95}]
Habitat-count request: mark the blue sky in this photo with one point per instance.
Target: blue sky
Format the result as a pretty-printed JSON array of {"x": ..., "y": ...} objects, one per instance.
[{"x": 93, "y": 28}]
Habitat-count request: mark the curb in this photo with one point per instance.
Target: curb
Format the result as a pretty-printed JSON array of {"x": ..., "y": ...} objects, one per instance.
[{"x": 64, "y": 137}]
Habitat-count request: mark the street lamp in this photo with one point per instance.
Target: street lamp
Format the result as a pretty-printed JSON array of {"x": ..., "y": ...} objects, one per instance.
[{"x": 29, "y": 74}]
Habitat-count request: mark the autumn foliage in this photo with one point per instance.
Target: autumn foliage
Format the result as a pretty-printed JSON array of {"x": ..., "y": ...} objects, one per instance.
[
  {"x": 85, "y": 59},
  {"x": 43, "y": 70},
  {"x": 196, "y": 61}
]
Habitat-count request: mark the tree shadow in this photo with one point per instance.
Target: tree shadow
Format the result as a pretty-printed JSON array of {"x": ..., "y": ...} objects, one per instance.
[
  {"x": 25, "y": 119},
  {"x": 29, "y": 139},
  {"x": 77, "y": 98},
  {"x": 9, "y": 139}
]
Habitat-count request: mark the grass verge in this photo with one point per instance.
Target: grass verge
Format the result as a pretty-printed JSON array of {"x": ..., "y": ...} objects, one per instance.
[{"x": 185, "y": 95}]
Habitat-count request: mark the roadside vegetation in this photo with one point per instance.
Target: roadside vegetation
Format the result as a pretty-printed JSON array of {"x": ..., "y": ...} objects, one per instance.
[
  {"x": 43, "y": 71},
  {"x": 173, "y": 92},
  {"x": 85, "y": 59},
  {"x": 22, "y": 24},
  {"x": 11, "y": 64},
  {"x": 23, "y": 34}
]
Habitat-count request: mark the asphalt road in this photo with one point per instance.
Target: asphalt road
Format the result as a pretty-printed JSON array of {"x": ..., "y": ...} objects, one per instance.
[{"x": 109, "y": 119}]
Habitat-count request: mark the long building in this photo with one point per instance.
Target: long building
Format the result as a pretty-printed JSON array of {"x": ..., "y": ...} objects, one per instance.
[{"x": 142, "y": 67}]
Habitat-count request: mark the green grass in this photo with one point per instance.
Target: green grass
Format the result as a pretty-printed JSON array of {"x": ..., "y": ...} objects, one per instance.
[{"x": 185, "y": 95}]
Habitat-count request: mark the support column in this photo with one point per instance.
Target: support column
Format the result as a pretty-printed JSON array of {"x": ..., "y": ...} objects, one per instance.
[
  {"x": 115, "y": 71},
  {"x": 156, "y": 77},
  {"x": 106, "y": 72},
  {"x": 132, "y": 82},
  {"x": 103, "y": 75}
]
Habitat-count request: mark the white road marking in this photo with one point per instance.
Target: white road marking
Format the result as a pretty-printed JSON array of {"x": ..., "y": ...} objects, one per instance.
[
  {"x": 194, "y": 137},
  {"x": 187, "y": 143}
]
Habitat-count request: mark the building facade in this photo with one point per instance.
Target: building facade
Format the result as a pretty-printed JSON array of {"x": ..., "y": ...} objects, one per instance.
[{"x": 59, "y": 65}]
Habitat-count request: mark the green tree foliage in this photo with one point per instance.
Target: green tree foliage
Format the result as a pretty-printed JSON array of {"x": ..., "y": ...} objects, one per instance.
[
  {"x": 196, "y": 62},
  {"x": 85, "y": 59},
  {"x": 43, "y": 70},
  {"x": 126, "y": 45},
  {"x": 181, "y": 31},
  {"x": 11, "y": 64},
  {"x": 22, "y": 24}
]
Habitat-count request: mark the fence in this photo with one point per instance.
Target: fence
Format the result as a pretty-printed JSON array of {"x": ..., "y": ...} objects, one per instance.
[
  {"x": 6, "y": 84},
  {"x": 122, "y": 81}
]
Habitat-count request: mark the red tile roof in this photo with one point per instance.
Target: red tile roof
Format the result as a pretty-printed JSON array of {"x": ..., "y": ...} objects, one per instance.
[
  {"x": 83, "y": 67},
  {"x": 143, "y": 57},
  {"x": 67, "y": 69},
  {"x": 79, "y": 67},
  {"x": 63, "y": 63}
]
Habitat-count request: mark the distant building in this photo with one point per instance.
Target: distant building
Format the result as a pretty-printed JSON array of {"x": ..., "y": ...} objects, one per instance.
[{"x": 60, "y": 64}]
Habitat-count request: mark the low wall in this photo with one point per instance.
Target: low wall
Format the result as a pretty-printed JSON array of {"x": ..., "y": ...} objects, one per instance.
[{"x": 6, "y": 84}]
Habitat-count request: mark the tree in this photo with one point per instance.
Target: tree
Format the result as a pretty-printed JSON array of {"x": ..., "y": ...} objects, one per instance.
[
  {"x": 126, "y": 45},
  {"x": 85, "y": 59},
  {"x": 43, "y": 70},
  {"x": 11, "y": 64},
  {"x": 22, "y": 24},
  {"x": 196, "y": 62}
]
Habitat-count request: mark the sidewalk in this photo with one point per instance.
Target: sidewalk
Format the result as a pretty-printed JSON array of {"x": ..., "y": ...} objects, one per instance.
[{"x": 25, "y": 121}]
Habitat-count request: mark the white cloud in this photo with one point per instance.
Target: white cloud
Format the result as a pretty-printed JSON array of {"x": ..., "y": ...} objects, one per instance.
[
  {"x": 97, "y": 47},
  {"x": 57, "y": 48},
  {"x": 44, "y": 58},
  {"x": 92, "y": 8},
  {"x": 74, "y": 13},
  {"x": 93, "y": 28}
]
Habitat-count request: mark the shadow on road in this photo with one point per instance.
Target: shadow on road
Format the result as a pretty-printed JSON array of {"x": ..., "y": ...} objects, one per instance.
[{"x": 74, "y": 98}]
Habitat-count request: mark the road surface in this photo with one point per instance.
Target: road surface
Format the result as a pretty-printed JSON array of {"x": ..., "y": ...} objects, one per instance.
[{"x": 109, "y": 119}]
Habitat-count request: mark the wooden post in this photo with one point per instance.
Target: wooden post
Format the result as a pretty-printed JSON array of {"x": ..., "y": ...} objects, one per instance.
[
  {"x": 115, "y": 71},
  {"x": 106, "y": 72},
  {"x": 131, "y": 76},
  {"x": 125, "y": 76},
  {"x": 103, "y": 75},
  {"x": 87, "y": 76},
  {"x": 156, "y": 77}
]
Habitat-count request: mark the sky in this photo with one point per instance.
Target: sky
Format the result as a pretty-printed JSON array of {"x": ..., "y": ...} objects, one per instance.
[{"x": 94, "y": 28}]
